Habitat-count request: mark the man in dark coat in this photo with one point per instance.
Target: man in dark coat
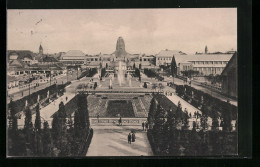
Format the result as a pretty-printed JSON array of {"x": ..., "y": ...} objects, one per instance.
[
  {"x": 120, "y": 121},
  {"x": 133, "y": 137},
  {"x": 146, "y": 125},
  {"x": 129, "y": 138},
  {"x": 143, "y": 125}
]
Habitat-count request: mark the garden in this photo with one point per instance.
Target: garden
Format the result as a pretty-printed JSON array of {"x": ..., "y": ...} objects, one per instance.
[
  {"x": 169, "y": 135},
  {"x": 67, "y": 137}
]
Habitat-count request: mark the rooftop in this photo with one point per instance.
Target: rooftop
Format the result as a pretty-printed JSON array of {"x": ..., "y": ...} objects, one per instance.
[{"x": 74, "y": 53}]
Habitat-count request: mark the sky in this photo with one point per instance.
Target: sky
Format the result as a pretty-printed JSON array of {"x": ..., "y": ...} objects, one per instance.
[{"x": 144, "y": 30}]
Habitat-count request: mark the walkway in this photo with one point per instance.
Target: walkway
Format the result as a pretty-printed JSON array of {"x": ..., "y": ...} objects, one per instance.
[
  {"x": 50, "y": 109},
  {"x": 175, "y": 99},
  {"x": 112, "y": 141}
]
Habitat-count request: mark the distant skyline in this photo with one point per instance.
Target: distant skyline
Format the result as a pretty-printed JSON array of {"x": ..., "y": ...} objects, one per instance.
[{"x": 143, "y": 30}]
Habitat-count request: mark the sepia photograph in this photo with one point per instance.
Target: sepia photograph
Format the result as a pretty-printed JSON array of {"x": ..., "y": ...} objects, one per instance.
[{"x": 122, "y": 82}]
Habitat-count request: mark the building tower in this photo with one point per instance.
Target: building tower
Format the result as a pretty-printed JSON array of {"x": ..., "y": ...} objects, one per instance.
[
  {"x": 40, "y": 50},
  {"x": 206, "y": 49},
  {"x": 120, "y": 47}
]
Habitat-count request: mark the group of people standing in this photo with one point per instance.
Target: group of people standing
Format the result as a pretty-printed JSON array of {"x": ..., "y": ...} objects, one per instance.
[
  {"x": 131, "y": 137},
  {"x": 145, "y": 126}
]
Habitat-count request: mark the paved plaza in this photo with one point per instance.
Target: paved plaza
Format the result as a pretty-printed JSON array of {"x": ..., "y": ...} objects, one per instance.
[{"x": 112, "y": 141}]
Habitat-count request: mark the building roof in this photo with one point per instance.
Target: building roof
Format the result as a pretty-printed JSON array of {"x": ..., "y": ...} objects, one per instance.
[
  {"x": 11, "y": 78},
  {"x": 17, "y": 64},
  {"x": 169, "y": 53},
  {"x": 184, "y": 58},
  {"x": 232, "y": 64},
  {"x": 50, "y": 66},
  {"x": 72, "y": 53}
]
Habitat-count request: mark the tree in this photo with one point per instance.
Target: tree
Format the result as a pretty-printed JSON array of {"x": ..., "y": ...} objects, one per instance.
[
  {"x": 59, "y": 126},
  {"x": 13, "y": 119},
  {"x": 28, "y": 118},
  {"x": 46, "y": 139},
  {"x": 28, "y": 127},
  {"x": 227, "y": 118},
  {"x": 204, "y": 121},
  {"x": 173, "y": 68},
  {"x": 179, "y": 111},
  {"x": 38, "y": 119},
  {"x": 214, "y": 121},
  {"x": 186, "y": 119},
  {"x": 134, "y": 66},
  {"x": 158, "y": 129},
  {"x": 152, "y": 111}
]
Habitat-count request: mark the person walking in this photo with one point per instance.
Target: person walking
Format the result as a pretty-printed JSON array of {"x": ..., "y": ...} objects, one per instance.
[
  {"x": 133, "y": 137},
  {"x": 146, "y": 125},
  {"x": 98, "y": 118},
  {"x": 120, "y": 121},
  {"x": 143, "y": 125},
  {"x": 66, "y": 98},
  {"x": 129, "y": 138}
]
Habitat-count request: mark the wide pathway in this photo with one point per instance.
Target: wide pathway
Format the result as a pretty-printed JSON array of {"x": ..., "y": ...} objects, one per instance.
[{"x": 112, "y": 141}]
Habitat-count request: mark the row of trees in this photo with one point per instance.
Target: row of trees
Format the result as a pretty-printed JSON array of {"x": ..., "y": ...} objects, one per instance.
[
  {"x": 190, "y": 73},
  {"x": 152, "y": 74},
  {"x": 209, "y": 105},
  {"x": 65, "y": 138},
  {"x": 167, "y": 138},
  {"x": 19, "y": 105}
]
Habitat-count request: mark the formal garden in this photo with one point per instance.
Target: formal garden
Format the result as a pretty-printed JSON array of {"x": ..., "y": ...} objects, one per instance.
[
  {"x": 67, "y": 136},
  {"x": 169, "y": 133}
]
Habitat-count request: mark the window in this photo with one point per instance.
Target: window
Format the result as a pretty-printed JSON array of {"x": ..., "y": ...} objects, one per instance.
[
  {"x": 144, "y": 59},
  {"x": 92, "y": 59},
  {"x": 96, "y": 59}
]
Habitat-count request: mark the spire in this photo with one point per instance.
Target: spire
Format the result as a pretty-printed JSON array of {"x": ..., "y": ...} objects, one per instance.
[
  {"x": 206, "y": 49},
  {"x": 40, "y": 49}
]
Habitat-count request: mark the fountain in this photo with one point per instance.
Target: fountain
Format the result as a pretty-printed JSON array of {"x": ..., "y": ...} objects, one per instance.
[
  {"x": 130, "y": 83},
  {"x": 110, "y": 84},
  {"x": 120, "y": 74}
]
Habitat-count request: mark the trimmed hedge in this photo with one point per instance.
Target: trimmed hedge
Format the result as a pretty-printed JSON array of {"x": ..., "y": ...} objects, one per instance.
[
  {"x": 152, "y": 74},
  {"x": 210, "y": 143}
]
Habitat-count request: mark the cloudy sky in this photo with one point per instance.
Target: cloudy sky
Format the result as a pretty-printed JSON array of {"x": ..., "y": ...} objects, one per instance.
[{"x": 144, "y": 30}]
